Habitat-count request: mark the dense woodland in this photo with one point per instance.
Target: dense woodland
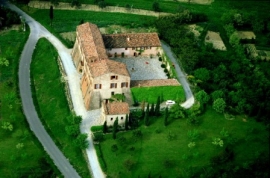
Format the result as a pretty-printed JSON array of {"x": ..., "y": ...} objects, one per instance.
[
  {"x": 227, "y": 80},
  {"x": 243, "y": 83},
  {"x": 8, "y": 17}
]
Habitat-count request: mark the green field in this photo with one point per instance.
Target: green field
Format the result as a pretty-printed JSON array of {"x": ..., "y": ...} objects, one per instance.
[
  {"x": 21, "y": 153},
  {"x": 150, "y": 94},
  {"x": 51, "y": 103},
  {"x": 68, "y": 20},
  {"x": 164, "y": 151}
]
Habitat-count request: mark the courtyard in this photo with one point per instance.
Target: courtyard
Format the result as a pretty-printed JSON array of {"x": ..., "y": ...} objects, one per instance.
[{"x": 143, "y": 68}]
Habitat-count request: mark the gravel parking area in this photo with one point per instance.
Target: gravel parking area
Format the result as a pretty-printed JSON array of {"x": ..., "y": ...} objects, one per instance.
[{"x": 143, "y": 68}]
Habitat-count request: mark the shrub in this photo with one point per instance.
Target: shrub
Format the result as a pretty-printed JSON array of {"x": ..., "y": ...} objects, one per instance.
[
  {"x": 129, "y": 164},
  {"x": 97, "y": 128},
  {"x": 114, "y": 148},
  {"x": 163, "y": 65},
  {"x": 160, "y": 58},
  {"x": 98, "y": 137},
  {"x": 166, "y": 70}
]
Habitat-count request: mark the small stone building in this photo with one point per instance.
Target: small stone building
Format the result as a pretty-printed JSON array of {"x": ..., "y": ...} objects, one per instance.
[
  {"x": 100, "y": 77},
  {"x": 132, "y": 44},
  {"x": 113, "y": 110}
]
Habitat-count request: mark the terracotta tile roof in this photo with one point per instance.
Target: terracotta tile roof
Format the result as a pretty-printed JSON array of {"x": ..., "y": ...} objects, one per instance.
[
  {"x": 91, "y": 42},
  {"x": 102, "y": 67},
  {"x": 115, "y": 108},
  {"x": 129, "y": 40}
]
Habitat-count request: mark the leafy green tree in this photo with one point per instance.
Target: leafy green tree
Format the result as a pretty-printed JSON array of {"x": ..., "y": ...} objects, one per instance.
[
  {"x": 156, "y": 7},
  {"x": 115, "y": 128},
  {"x": 81, "y": 141},
  {"x": 202, "y": 74},
  {"x": 7, "y": 126},
  {"x": 157, "y": 108},
  {"x": 72, "y": 130},
  {"x": 202, "y": 97},
  {"x": 105, "y": 127},
  {"x": 177, "y": 112},
  {"x": 3, "y": 61},
  {"x": 166, "y": 115},
  {"x": 219, "y": 105},
  {"x": 217, "y": 94}
]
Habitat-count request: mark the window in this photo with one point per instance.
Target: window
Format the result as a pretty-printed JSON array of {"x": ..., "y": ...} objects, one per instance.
[
  {"x": 113, "y": 85},
  {"x": 114, "y": 77},
  {"x": 133, "y": 48},
  {"x": 97, "y": 86},
  {"x": 126, "y": 48},
  {"x": 124, "y": 84},
  {"x": 82, "y": 63},
  {"x": 122, "y": 118},
  {"x": 111, "y": 118}
]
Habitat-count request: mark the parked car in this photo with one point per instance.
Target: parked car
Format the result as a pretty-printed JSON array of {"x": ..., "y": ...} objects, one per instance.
[{"x": 170, "y": 102}]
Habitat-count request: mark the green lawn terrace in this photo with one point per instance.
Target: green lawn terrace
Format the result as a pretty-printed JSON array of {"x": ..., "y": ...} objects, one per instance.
[
  {"x": 150, "y": 94},
  {"x": 181, "y": 149}
]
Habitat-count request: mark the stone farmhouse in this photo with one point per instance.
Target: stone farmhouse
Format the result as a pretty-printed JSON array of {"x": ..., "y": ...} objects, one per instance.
[
  {"x": 113, "y": 110},
  {"x": 102, "y": 77},
  {"x": 132, "y": 44}
]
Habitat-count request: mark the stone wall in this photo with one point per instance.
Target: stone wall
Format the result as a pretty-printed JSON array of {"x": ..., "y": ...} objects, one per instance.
[{"x": 152, "y": 83}]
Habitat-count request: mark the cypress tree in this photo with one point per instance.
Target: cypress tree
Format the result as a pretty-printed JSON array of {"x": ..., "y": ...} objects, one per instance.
[
  {"x": 157, "y": 108},
  {"x": 166, "y": 116},
  {"x": 51, "y": 14},
  {"x": 105, "y": 128},
  {"x": 115, "y": 127},
  {"x": 146, "y": 116},
  {"x": 126, "y": 123}
]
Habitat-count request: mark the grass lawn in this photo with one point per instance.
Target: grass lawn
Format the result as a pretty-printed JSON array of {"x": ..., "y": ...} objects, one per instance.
[
  {"x": 51, "y": 102},
  {"x": 163, "y": 151},
  {"x": 150, "y": 94},
  {"x": 21, "y": 153}
]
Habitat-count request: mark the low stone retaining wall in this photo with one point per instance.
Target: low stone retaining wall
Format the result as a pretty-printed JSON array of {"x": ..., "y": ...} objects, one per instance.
[
  {"x": 152, "y": 83},
  {"x": 66, "y": 6}
]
